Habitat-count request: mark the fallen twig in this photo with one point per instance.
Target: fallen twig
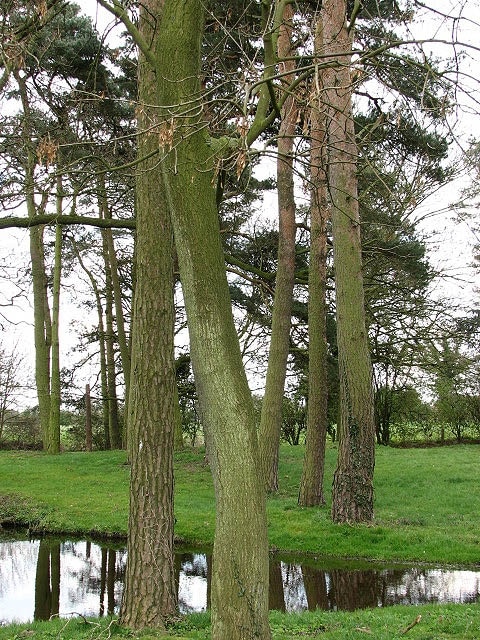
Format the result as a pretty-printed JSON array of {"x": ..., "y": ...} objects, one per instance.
[{"x": 411, "y": 625}]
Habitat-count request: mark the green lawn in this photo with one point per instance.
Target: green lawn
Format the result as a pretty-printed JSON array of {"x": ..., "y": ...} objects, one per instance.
[
  {"x": 427, "y": 508},
  {"x": 427, "y": 502}
]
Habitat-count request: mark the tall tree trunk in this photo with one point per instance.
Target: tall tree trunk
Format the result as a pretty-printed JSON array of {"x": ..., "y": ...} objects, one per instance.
[
  {"x": 122, "y": 339},
  {"x": 55, "y": 390},
  {"x": 113, "y": 418},
  {"x": 311, "y": 486},
  {"x": 353, "y": 479},
  {"x": 101, "y": 345},
  {"x": 271, "y": 416},
  {"x": 41, "y": 309},
  {"x": 240, "y": 565},
  {"x": 42, "y": 330},
  {"x": 53, "y": 441},
  {"x": 88, "y": 419},
  {"x": 150, "y": 591}
]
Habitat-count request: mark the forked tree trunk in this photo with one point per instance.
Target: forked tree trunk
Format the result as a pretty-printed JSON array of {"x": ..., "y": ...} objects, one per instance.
[
  {"x": 271, "y": 417},
  {"x": 41, "y": 311},
  {"x": 150, "y": 593},
  {"x": 353, "y": 480},
  {"x": 240, "y": 564},
  {"x": 311, "y": 485}
]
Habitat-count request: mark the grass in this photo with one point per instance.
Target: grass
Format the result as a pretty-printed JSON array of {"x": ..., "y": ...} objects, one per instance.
[
  {"x": 448, "y": 622},
  {"x": 422, "y": 496}
]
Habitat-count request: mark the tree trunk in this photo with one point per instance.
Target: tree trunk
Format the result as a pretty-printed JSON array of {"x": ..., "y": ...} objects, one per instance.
[
  {"x": 53, "y": 441},
  {"x": 88, "y": 419},
  {"x": 271, "y": 417},
  {"x": 41, "y": 309},
  {"x": 101, "y": 346},
  {"x": 240, "y": 565},
  {"x": 150, "y": 592},
  {"x": 55, "y": 387},
  {"x": 113, "y": 419},
  {"x": 122, "y": 339},
  {"x": 311, "y": 486},
  {"x": 353, "y": 479},
  {"x": 42, "y": 330}
]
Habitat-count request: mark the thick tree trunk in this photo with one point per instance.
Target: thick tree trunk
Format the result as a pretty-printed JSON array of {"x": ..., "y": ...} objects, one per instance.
[
  {"x": 150, "y": 592},
  {"x": 311, "y": 486},
  {"x": 353, "y": 480},
  {"x": 240, "y": 565},
  {"x": 271, "y": 417}
]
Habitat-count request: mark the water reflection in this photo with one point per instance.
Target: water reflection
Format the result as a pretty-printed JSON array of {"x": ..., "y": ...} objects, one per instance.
[{"x": 41, "y": 578}]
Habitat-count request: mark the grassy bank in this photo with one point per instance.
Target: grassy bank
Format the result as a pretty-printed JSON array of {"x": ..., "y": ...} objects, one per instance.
[
  {"x": 452, "y": 622},
  {"x": 427, "y": 502},
  {"x": 427, "y": 508}
]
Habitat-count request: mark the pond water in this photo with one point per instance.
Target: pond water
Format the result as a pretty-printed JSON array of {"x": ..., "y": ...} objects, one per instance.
[{"x": 40, "y": 578}]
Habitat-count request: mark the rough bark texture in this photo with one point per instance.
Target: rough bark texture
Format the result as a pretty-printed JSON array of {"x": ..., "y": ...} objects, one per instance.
[
  {"x": 353, "y": 479},
  {"x": 150, "y": 594},
  {"x": 311, "y": 485},
  {"x": 271, "y": 417},
  {"x": 240, "y": 565}
]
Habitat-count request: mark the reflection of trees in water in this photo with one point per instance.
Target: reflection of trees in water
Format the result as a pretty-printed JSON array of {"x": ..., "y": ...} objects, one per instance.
[
  {"x": 276, "y": 597},
  {"x": 16, "y": 561},
  {"x": 423, "y": 585},
  {"x": 47, "y": 581},
  {"x": 87, "y": 570},
  {"x": 315, "y": 584},
  {"x": 294, "y": 590},
  {"x": 352, "y": 590},
  {"x": 193, "y": 579},
  {"x": 102, "y": 573}
]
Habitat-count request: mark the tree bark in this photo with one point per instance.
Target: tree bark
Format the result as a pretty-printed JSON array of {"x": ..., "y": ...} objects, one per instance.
[
  {"x": 240, "y": 565},
  {"x": 311, "y": 485},
  {"x": 171, "y": 43},
  {"x": 353, "y": 479},
  {"x": 271, "y": 416},
  {"x": 150, "y": 592}
]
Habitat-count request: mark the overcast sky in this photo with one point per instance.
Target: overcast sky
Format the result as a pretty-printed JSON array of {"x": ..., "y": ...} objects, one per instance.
[{"x": 449, "y": 249}]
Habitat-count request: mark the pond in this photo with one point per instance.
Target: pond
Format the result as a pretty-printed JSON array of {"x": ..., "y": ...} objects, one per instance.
[{"x": 44, "y": 577}]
